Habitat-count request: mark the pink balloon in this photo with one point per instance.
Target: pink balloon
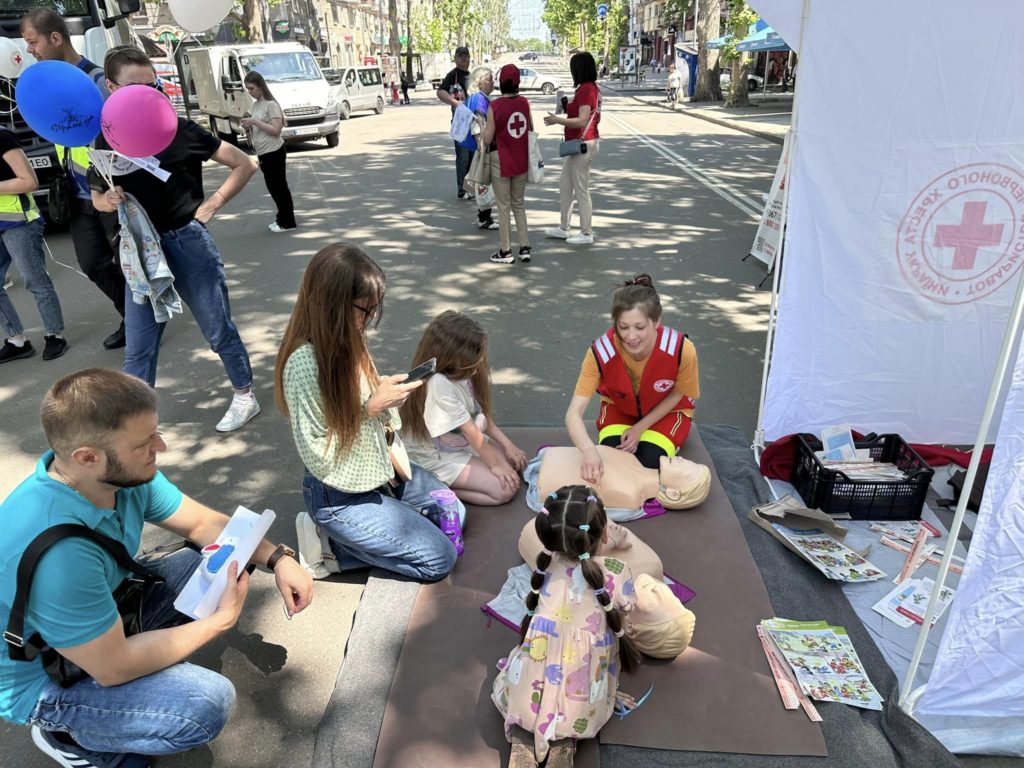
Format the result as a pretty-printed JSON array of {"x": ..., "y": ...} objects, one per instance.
[{"x": 138, "y": 121}]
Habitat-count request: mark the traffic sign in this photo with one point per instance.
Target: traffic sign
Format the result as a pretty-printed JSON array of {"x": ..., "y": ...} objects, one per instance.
[{"x": 602, "y": 10}]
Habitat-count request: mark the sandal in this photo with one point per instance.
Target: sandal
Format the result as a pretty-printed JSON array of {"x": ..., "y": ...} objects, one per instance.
[
  {"x": 503, "y": 257},
  {"x": 524, "y": 254}
]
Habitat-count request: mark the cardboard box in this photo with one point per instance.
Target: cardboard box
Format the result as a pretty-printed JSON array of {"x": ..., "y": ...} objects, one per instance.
[{"x": 789, "y": 512}]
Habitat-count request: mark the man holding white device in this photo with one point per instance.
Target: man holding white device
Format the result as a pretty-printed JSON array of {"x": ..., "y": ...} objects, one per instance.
[{"x": 100, "y": 679}]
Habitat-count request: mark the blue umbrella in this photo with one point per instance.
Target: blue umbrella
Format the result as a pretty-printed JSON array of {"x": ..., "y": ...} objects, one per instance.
[
  {"x": 718, "y": 42},
  {"x": 767, "y": 39}
]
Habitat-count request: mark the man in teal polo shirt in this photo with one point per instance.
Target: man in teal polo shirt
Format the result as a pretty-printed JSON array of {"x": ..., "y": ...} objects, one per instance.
[{"x": 141, "y": 698}]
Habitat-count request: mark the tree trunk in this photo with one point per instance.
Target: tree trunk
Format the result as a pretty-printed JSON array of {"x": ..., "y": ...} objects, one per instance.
[
  {"x": 709, "y": 22},
  {"x": 252, "y": 14},
  {"x": 408, "y": 44},
  {"x": 393, "y": 43},
  {"x": 738, "y": 96}
]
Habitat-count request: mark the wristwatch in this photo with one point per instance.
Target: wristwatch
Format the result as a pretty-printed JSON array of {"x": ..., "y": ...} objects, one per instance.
[{"x": 275, "y": 557}]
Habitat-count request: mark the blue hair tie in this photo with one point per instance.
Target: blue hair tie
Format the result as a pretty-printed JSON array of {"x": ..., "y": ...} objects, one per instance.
[
  {"x": 553, "y": 495},
  {"x": 601, "y": 591},
  {"x": 539, "y": 572},
  {"x": 591, "y": 497},
  {"x": 585, "y": 528},
  {"x": 584, "y": 556},
  {"x": 530, "y": 613}
]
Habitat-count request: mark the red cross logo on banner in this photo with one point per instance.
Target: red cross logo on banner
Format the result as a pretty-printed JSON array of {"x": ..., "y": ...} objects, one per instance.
[
  {"x": 969, "y": 235},
  {"x": 517, "y": 125},
  {"x": 958, "y": 241},
  {"x": 16, "y": 58}
]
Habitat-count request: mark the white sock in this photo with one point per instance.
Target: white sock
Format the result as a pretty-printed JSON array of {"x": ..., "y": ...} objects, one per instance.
[{"x": 18, "y": 341}]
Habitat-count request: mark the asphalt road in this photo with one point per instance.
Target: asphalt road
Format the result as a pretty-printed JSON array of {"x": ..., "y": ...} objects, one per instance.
[{"x": 674, "y": 197}]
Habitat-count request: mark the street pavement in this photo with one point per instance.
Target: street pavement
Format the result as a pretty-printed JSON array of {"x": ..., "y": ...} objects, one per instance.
[{"x": 675, "y": 196}]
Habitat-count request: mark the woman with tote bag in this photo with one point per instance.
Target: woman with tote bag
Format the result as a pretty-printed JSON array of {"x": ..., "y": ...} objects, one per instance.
[
  {"x": 507, "y": 136},
  {"x": 583, "y": 114}
]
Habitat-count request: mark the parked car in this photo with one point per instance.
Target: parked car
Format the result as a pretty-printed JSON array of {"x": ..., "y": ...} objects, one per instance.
[
  {"x": 754, "y": 82},
  {"x": 529, "y": 56},
  {"x": 532, "y": 80},
  {"x": 356, "y": 89}
]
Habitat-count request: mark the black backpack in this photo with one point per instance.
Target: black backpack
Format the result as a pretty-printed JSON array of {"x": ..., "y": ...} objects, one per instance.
[{"x": 61, "y": 195}]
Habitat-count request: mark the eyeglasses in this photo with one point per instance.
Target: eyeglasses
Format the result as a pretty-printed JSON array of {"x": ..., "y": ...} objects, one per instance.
[
  {"x": 156, "y": 85},
  {"x": 368, "y": 312}
]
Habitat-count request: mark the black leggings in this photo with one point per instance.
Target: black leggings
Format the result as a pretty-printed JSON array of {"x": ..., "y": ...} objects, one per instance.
[
  {"x": 273, "y": 166},
  {"x": 648, "y": 454}
]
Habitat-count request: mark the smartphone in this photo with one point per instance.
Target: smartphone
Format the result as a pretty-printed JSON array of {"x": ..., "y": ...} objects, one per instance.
[{"x": 421, "y": 371}]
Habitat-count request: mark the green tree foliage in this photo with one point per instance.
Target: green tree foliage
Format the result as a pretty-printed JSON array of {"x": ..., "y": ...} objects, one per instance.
[{"x": 576, "y": 24}]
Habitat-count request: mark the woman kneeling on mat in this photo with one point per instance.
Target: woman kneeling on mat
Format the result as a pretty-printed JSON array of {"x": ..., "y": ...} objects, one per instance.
[
  {"x": 561, "y": 683},
  {"x": 646, "y": 374},
  {"x": 342, "y": 414}
]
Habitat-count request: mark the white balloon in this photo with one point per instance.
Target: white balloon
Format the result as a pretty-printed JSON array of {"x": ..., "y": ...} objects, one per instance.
[
  {"x": 199, "y": 15},
  {"x": 12, "y": 58}
]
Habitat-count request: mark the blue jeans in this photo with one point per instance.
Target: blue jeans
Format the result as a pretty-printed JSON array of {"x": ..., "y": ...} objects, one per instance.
[
  {"x": 372, "y": 528},
  {"x": 199, "y": 279},
  {"x": 463, "y": 157},
  {"x": 176, "y": 709},
  {"x": 24, "y": 246}
]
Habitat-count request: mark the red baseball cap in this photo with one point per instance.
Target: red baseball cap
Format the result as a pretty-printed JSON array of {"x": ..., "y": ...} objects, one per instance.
[{"x": 510, "y": 72}]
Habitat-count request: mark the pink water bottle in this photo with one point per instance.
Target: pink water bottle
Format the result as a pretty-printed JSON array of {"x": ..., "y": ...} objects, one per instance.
[{"x": 451, "y": 524}]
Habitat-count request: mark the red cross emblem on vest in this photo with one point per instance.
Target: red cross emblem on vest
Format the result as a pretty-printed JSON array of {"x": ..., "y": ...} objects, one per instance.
[{"x": 516, "y": 125}]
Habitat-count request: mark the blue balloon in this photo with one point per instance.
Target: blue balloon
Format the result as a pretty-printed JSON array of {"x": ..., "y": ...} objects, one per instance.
[{"x": 59, "y": 102}]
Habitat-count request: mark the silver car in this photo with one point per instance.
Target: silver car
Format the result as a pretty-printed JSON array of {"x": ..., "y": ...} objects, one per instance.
[{"x": 532, "y": 80}]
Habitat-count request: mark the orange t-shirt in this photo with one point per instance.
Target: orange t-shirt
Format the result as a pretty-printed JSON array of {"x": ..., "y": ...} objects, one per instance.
[{"x": 686, "y": 377}]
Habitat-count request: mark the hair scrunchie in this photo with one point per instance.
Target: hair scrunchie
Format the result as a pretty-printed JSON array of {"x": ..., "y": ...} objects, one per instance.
[
  {"x": 584, "y": 556},
  {"x": 620, "y": 633},
  {"x": 585, "y": 528},
  {"x": 544, "y": 511},
  {"x": 553, "y": 495},
  {"x": 601, "y": 591},
  {"x": 591, "y": 497},
  {"x": 608, "y": 608},
  {"x": 530, "y": 613},
  {"x": 547, "y": 552},
  {"x": 534, "y": 591},
  {"x": 539, "y": 572}
]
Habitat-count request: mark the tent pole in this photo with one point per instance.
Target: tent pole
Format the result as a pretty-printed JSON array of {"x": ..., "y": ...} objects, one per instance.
[
  {"x": 759, "y": 440},
  {"x": 1012, "y": 328}
]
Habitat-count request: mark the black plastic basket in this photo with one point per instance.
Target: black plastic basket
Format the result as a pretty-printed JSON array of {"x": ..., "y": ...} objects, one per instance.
[{"x": 835, "y": 493}]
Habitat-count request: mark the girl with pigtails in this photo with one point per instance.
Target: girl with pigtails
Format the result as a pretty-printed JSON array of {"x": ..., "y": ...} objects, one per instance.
[{"x": 561, "y": 683}]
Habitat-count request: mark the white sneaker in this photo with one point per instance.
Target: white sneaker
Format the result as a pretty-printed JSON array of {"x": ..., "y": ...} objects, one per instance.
[
  {"x": 242, "y": 410},
  {"x": 561, "y": 234},
  {"x": 275, "y": 227},
  {"x": 580, "y": 239}
]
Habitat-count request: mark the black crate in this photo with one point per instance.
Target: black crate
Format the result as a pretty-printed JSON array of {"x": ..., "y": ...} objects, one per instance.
[{"x": 835, "y": 493}]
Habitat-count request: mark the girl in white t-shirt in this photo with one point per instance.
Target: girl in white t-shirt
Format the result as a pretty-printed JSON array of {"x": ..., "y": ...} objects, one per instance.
[
  {"x": 447, "y": 425},
  {"x": 263, "y": 128}
]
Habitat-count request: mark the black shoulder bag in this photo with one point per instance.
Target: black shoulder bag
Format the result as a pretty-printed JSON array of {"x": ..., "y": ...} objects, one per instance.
[
  {"x": 128, "y": 597},
  {"x": 60, "y": 194}
]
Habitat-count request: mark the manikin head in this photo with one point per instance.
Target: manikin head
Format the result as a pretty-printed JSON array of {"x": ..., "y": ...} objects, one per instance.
[
  {"x": 682, "y": 484},
  {"x": 660, "y": 625}
]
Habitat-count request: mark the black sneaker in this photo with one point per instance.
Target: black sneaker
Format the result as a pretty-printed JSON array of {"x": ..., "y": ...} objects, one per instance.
[
  {"x": 55, "y": 347},
  {"x": 503, "y": 257},
  {"x": 115, "y": 340},
  {"x": 63, "y": 749},
  {"x": 524, "y": 254},
  {"x": 487, "y": 224},
  {"x": 13, "y": 352},
  {"x": 462, "y": 194}
]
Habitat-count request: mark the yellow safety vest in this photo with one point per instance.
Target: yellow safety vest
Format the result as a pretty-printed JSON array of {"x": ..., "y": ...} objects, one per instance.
[
  {"x": 16, "y": 210},
  {"x": 79, "y": 162}
]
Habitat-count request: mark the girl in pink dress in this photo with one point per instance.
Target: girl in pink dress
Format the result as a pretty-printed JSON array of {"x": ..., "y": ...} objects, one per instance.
[{"x": 560, "y": 683}]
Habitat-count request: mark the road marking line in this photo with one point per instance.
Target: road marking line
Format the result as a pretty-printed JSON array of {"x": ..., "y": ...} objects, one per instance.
[{"x": 719, "y": 187}]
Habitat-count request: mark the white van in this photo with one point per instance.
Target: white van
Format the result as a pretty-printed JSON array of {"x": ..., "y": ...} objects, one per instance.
[
  {"x": 292, "y": 74},
  {"x": 356, "y": 89}
]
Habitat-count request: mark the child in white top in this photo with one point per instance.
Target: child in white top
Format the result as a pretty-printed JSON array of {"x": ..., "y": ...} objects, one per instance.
[{"x": 447, "y": 425}]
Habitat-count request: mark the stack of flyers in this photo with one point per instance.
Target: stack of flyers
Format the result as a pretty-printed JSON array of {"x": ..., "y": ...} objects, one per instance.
[
  {"x": 824, "y": 661},
  {"x": 906, "y": 604},
  {"x": 835, "y": 560},
  {"x": 905, "y": 529}
]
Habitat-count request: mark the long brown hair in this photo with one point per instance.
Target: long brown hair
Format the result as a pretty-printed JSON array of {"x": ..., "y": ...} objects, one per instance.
[
  {"x": 638, "y": 293},
  {"x": 572, "y": 523},
  {"x": 325, "y": 316},
  {"x": 460, "y": 345},
  {"x": 255, "y": 78}
]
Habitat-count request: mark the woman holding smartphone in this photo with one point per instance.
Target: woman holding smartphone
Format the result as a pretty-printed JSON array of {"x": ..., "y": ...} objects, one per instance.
[
  {"x": 343, "y": 414},
  {"x": 583, "y": 114}
]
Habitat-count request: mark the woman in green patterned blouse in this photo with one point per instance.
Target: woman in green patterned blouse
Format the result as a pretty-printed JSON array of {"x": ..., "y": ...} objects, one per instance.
[{"x": 340, "y": 409}]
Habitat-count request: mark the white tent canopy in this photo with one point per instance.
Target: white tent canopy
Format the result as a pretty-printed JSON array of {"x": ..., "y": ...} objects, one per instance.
[{"x": 904, "y": 245}]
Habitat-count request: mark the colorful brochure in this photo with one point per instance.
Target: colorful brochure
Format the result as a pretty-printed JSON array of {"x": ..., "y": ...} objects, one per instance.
[{"x": 832, "y": 558}]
